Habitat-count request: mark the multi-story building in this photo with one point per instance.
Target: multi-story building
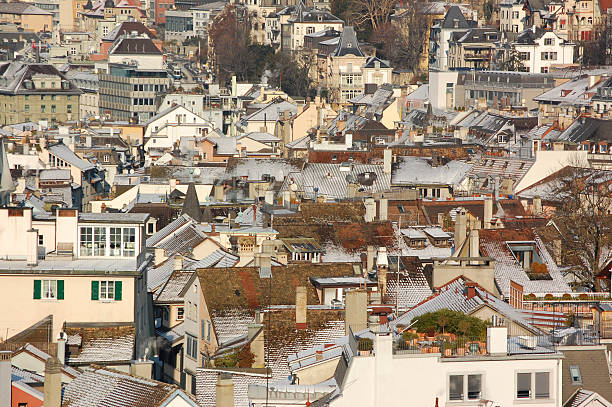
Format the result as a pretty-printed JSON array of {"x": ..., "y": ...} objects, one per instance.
[
  {"x": 179, "y": 25},
  {"x": 26, "y": 16},
  {"x": 52, "y": 6},
  {"x": 128, "y": 92},
  {"x": 203, "y": 15},
  {"x": 540, "y": 49},
  {"x": 36, "y": 92},
  {"x": 304, "y": 20},
  {"x": 454, "y": 22},
  {"x": 512, "y": 16},
  {"x": 74, "y": 267},
  {"x": 161, "y": 6},
  {"x": 89, "y": 101},
  {"x": 349, "y": 69},
  {"x": 473, "y": 49}
]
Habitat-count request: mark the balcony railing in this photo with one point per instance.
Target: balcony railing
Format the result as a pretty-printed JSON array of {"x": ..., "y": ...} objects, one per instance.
[{"x": 448, "y": 345}]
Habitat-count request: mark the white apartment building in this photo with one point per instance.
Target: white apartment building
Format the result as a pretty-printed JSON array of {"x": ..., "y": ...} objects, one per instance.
[
  {"x": 390, "y": 378},
  {"x": 540, "y": 49},
  {"x": 511, "y": 16},
  {"x": 75, "y": 267}
]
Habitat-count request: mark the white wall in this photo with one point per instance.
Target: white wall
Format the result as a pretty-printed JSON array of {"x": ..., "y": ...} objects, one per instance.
[
  {"x": 417, "y": 380},
  {"x": 437, "y": 88},
  {"x": 549, "y": 162}
]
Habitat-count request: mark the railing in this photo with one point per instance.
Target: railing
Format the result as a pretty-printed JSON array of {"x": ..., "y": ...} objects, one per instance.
[
  {"x": 531, "y": 344},
  {"x": 447, "y": 345}
]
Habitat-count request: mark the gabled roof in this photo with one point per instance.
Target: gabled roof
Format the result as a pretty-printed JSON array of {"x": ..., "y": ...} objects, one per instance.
[
  {"x": 454, "y": 19},
  {"x": 418, "y": 171},
  {"x": 61, "y": 151},
  {"x": 134, "y": 46},
  {"x": 454, "y": 296},
  {"x": 348, "y": 44},
  {"x": 586, "y": 398},
  {"x": 592, "y": 365},
  {"x": 103, "y": 386},
  {"x": 530, "y": 35},
  {"x": 110, "y": 343}
]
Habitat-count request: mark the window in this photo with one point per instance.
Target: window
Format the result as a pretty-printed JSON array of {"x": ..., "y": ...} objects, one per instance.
[
  {"x": 180, "y": 313},
  {"x": 99, "y": 245},
  {"x": 575, "y": 374},
  {"x": 107, "y": 290},
  {"x": 49, "y": 289},
  {"x": 208, "y": 329},
  {"x": 86, "y": 243},
  {"x": 523, "y": 385},
  {"x": 455, "y": 389},
  {"x": 41, "y": 240},
  {"x": 129, "y": 242},
  {"x": 52, "y": 108},
  {"x": 42, "y": 108},
  {"x": 115, "y": 242},
  {"x": 549, "y": 41},
  {"x": 192, "y": 346},
  {"x": 525, "y": 382},
  {"x": 106, "y": 158},
  {"x": 474, "y": 387},
  {"x": 524, "y": 56},
  {"x": 27, "y": 108}
]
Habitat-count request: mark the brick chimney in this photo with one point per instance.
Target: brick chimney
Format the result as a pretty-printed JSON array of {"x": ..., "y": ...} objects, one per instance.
[
  {"x": 470, "y": 288},
  {"x": 178, "y": 262},
  {"x": 53, "y": 383},
  {"x": 301, "y": 304}
]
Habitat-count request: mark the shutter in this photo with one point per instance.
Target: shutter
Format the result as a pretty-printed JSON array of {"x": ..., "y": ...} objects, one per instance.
[
  {"x": 95, "y": 290},
  {"x": 203, "y": 334},
  {"x": 37, "y": 289},
  {"x": 60, "y": 289},
  {"x": 118, "y": 292}
]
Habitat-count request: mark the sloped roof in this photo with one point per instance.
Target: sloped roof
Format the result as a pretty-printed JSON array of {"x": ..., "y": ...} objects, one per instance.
[
  {"x": 594, "y": 372},
  {"x": 138, "y": 46},
  {"x": 60, "y": 150},
  {"x": 172, "y": 290},
  {"x": 417, "y": 171},
  {"x": 109, "y": 387},
  {"x": 20, "y": 8},
  {"x": 128, "y": 28},
  {"x": 493, "y": 243},
  {"x": 348, "y": 44},
  {"x": 101, "y": 344},
  {"x": 191, "y": 204},
  {"x": 454, "y": 15}
]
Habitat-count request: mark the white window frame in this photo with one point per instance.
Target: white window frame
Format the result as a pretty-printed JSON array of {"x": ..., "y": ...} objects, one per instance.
[
  {"x": 99, "y": 239},
  {"x": 532, "y": 384},
  {"x": 48, "y": 289},
  {"x": 107, "y": 290},
  {"x": 464, "y": 393},
  {"x": 192, "y": 347}
]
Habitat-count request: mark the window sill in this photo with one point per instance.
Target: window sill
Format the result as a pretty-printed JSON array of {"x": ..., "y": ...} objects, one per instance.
[
  {"x": 534, "y": 401},
  {"x": 49, "y": 299},
  {"x": 106, "y": 301}
]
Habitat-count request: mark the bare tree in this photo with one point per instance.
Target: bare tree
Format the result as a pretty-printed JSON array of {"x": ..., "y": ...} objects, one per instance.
[
  {"x": 229, "y": 40},
  {"x": 583, "y": 219},
  {"x": 371, "y": 13}
]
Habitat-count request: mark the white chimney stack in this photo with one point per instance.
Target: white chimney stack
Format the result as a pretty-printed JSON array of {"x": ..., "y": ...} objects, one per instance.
[
  {"x": 5, "y": 378},
  {"x": 497, "y": 340},
  {"x": 488, "y": 212},
  {"x": 387, "y": 157}
]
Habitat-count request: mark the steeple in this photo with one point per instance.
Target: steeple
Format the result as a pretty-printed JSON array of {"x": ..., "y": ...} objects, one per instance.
[{"x": 191, "y": 204}]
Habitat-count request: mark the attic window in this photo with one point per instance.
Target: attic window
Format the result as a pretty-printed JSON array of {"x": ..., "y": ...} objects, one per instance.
[
  {"x": 575, "y": 374},
  {"x": 401, "y": 209}
]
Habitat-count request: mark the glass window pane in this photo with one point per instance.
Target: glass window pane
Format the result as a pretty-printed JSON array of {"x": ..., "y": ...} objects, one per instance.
[
  {"x": 474, "y": 386},
  {"x": 99, "y": 241},
  {"x": 129, "y": 242},
  {"x": 110, "y": 287},
  {"x": 456, "y": 388},
  {"x": 542, "y": 385},
  {"x": 523, "y": 385},
  {"x": 86, "y": 246},
  {"x": 115, "y": 242},
  {"x": 103, "y": 290},
  {"x": 575, "y": 374}
]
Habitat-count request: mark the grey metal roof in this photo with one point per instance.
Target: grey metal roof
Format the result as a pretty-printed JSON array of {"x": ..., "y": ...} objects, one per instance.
[
  {"x": 113, "y": 217},
  {"x": 61, "y": 151},
  {"x": 348, "y": 44},
  {"x": 418, "y": 171}
]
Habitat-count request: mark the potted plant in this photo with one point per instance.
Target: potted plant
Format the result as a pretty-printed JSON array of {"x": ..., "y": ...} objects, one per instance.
[{"x": 410, "y": 338}]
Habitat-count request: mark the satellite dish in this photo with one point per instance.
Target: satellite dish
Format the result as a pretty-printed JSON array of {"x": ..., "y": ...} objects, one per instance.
[
  {"x": 293, "y": 187},
  {"x": 197, "y": 171}
]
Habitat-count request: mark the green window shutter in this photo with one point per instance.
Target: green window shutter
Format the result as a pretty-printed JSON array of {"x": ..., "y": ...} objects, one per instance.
[
  {"x": 95, "y": 290},
  {"x": 37, "y": 289},
  {"x": 60, "y": 289},
  {"x": 118, "y": 292}
]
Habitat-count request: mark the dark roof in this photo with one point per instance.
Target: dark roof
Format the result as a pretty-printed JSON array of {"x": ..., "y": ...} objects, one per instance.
[
  {"x": 594, "y": 372},
  {"x": 476, "y": 35},
  {"x": 529, "y": 36},
  {"x": 191, "y": 204},
  {"x": 129, "y": 46},
  {"x": 242, "y": 288},
  {"x": 588, "y": 129},
  {"x": 16, "y": 7},
  {"x": 454, "y": 15},
  {"x": 13, "y": 77},
  {"x": 348, "y": 44}
]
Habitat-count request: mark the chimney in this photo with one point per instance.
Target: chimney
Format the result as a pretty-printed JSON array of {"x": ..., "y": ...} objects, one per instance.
[
  {"x": 88, "y": 141},
  {"x": 488, "y": 212},
  {"x": 319, "y": 354},
  {"x": 301, "y": 302},
  {"x": 387, "y": 157},
  {"x": 225, "y": 390},
  {"x": 460, "y": 228},
  {"x": 370, "y": 259},
  {"x": 470, "y": 289},
  {"x": 42, "y": 142},
  {"x": 5, "y": 378},
  {"x": 370, "y": 209},
  {"x": 382, "y": 265},
  {"x": 254, "y": 214},
  {"x": 269, "y": 197},
  {"x": 219, "y": 193},
  {"x": 32, "y": 247},
  {"x": 474, "y": 244},
  {"x": 178, "y": 262},
  {"x": 537, "y": 206},
  {"x": 61, "y": 347},
  {"x": 172, "y": 182},
  {"x": 557, "y": 251},
  {"x": 256, "y": 345},
  {"x": 382, "y": 209},
  {"x": 53, "y": 383},
  {"x": 356, "y": 310},
  {"x": 497, "y": 340}
]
